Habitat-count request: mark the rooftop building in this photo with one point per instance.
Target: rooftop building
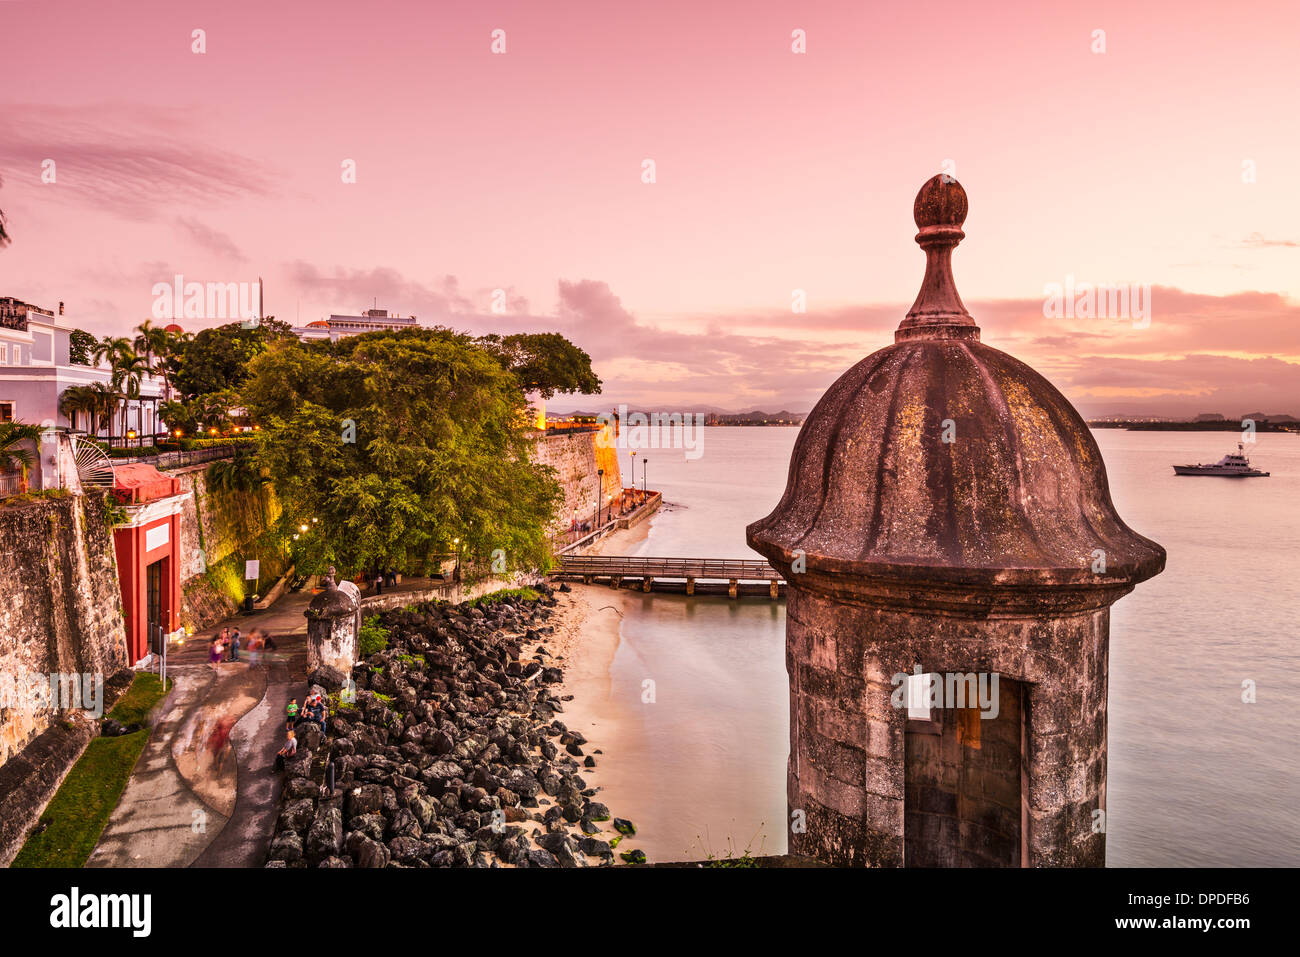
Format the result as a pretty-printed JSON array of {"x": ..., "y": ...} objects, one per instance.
[
  {"x": 36, "y": 368},
  {"x": 336, "y": 327}
]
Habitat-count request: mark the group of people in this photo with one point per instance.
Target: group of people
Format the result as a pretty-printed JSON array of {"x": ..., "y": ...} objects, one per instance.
[
  {"x": 225, "y": 645},
  {"x": 313, "y": 711},
  {"x": 381, "y": 578}
]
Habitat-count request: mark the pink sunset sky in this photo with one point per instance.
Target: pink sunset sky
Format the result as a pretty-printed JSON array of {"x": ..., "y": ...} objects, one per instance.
[{"x": 775, "y": 171}]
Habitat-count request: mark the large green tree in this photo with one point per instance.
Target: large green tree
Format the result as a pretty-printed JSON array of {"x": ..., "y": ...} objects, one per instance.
[
  {"x": 544, "y": 362},
  {"x": 81, "y": 344},
  {"x": 391, "y": 446},
  {"x": 217, "y": 359}
]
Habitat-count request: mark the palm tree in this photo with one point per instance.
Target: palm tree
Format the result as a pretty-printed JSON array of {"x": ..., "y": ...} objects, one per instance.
[
  {"x": 172, "y": 357},
  {"x": 103, "y": 405},
  {"x": 120, "y": 355},
  {"x": 154, "y": 343},
  {"x": 11, "y": 453},
  {"x": 108, "y": 347},
  {"x": 129, "y": 370},
  {"x": 77, "y": 400}
]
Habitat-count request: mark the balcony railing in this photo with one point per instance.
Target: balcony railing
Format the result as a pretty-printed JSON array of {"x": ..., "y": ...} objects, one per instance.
[
  {"x": 10, "y": 484},
  {"x": 180, "y": 459}
]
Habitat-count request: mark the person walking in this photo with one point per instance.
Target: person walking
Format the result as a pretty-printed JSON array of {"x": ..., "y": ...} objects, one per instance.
[
  {"x": 234, "y": 645},
  {"x": 214, "y": 651},
  {"x": 219, "y": 741},
  {"x": 291, "y": 714}
]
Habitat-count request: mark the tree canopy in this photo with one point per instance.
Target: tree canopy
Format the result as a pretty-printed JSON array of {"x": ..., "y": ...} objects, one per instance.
[
  {"x": 81, "y": 344},
  {"x": 544, "y": 362},
  {"x": 391, "y": 446},
  {"x": 217, "y": 359}
]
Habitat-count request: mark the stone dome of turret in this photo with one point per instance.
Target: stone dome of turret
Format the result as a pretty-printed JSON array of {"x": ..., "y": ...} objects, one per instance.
[{"x": 942, "y": 459}]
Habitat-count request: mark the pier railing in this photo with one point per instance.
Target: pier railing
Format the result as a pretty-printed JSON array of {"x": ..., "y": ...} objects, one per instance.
[
  {"x": 700, "y": 569},
  {"x": 732, "y": 576}
]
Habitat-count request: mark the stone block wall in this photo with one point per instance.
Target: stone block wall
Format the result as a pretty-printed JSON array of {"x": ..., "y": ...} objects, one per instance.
[
  {"x": 576, "y": 458},
  {"x": 62, "y": 611},
  {"x": 848, "y": 742}
]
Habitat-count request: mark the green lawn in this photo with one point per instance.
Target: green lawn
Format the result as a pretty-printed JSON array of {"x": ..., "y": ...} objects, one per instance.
[{"x": 78, "y": 812}]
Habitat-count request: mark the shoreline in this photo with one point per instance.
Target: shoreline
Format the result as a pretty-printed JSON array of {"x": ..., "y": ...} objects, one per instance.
[{"x": 588, "y": 632}]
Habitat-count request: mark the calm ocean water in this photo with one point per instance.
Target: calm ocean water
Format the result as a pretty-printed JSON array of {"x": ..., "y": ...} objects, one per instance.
[{"x": 1197, "y": 777}]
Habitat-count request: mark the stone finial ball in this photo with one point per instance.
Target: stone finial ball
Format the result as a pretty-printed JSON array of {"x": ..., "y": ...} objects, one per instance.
[{"x": 941, "y": 202}]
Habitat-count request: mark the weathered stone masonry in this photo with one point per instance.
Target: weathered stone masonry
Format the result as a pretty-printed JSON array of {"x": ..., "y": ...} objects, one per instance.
[
  {"x": 63, "y": 608},
  {"x": 947, "y": 507},
  {"x": 577, "y": 458}
]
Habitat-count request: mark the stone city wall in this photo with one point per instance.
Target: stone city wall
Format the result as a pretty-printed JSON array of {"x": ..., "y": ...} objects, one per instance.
[{"x": 62, "y": 611}]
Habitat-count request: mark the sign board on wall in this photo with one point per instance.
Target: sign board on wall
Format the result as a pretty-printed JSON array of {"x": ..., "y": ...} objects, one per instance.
[
  {"x": 157, "y": 537},
  {"x": 252, "y": 569}
]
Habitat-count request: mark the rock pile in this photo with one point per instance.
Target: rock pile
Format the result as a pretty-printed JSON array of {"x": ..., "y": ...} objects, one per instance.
[{"x": 445, "y": 751}]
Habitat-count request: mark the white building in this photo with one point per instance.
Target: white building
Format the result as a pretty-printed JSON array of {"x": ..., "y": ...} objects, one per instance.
[
  {"x": 36, "y": 368},
  {"x": 336, "y": 327}
]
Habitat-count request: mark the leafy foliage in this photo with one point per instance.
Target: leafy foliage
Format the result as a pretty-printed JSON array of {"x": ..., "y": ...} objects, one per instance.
[
  {"x": 440, "y": 451},
  {"x": 218, "y": 359},
  {"x": 544, "y": 362},
  {"x": 373, "y": 637},
  {"x": 14, "y": 454},
  {"x": 524, "y": 594},
  {"x": 80, "y": 346},
  {"x": 240, "y": 473}
]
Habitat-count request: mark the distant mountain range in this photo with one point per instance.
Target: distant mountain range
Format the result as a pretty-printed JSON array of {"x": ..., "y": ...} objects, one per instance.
[
  {"x": 701, "y": 409},
  {"x": 1274, "y": 417}
]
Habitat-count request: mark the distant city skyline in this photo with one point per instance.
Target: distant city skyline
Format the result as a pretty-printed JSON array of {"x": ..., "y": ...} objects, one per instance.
[{"x": 515, "y": 180}]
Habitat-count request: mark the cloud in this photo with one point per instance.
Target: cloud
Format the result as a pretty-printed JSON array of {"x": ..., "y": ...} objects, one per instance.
[
  {"x": 214, "y": 241},
  {"x": 357, "y": 289},
  {"x": 132, "y": 160},
  {"x": 1257, "y": 241},
  {"x": 1200, "y": 353}
]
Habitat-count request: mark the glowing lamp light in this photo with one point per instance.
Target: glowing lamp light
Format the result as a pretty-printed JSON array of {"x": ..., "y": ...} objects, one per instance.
[{"x": 303, "y": 529}]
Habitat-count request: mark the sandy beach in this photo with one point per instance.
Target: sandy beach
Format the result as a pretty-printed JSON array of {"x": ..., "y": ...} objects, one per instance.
[{"x": 586, "y": 638}]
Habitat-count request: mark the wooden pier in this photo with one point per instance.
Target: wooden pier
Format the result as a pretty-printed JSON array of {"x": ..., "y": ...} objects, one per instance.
[{"x": 733, "y": 577}]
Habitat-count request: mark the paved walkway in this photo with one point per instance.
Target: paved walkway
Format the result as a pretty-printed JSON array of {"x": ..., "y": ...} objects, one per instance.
[{"x": 185, "y": 805}]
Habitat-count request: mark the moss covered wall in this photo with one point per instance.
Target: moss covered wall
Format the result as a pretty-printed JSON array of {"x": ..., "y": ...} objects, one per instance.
[{"x": 220, "y": 529}]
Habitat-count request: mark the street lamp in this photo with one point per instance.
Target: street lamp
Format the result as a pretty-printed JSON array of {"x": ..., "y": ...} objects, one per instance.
[
  {"x": 645, "y": 462},
  {"x": 632, "y": 478},
  {"x": 455, "y": 575},
  {"x": 600, "y": 493}
]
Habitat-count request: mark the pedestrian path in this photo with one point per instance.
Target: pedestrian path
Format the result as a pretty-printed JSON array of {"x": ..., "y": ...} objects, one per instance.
[{"x": 186, "y": 805}]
